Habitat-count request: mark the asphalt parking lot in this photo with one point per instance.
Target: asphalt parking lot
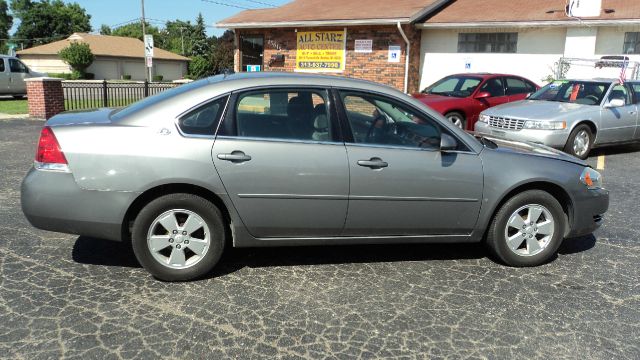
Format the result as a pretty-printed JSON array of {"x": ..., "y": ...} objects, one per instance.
[{"x": 63, "y": 296}]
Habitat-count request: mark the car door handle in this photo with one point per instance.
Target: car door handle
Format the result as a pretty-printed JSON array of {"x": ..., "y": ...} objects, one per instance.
[
  {"x": 373, "y": 163},
  {"x": 235, "y": 157}
]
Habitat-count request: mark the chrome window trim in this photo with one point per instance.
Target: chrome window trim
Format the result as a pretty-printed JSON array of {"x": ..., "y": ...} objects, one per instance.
[
  {"x": 279, "y": 140},
  {"x": 413, "y": 148},
  {"x": 176, "y": 120}
]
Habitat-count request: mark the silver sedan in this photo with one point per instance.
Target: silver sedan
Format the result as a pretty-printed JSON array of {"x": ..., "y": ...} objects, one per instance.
[
  {"x": 573, "y": 115},
  {"x": 287, "y": 160}
]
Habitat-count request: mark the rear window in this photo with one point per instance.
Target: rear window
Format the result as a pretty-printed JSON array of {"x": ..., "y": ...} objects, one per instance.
[{"x": 152, "y": 100}]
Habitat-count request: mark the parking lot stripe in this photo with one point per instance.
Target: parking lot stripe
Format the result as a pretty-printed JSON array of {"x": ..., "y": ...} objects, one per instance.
[{"x": 600, "y": 165}]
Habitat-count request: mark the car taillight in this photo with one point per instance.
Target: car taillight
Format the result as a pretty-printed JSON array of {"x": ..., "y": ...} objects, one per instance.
[{"x": 49, "y": 151}]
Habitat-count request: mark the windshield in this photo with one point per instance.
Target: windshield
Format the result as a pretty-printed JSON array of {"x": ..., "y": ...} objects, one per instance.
[
  {"x": 573, "y": 91},
  {"x": 456, "y": 86}
]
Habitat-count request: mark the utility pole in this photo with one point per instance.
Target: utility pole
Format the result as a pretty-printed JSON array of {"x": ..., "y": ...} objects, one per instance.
[
  {"x": 147, "y": 69},
  {"x": 182, "y": 37}
]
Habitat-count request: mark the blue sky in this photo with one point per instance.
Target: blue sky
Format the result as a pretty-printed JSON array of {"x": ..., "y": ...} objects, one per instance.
[{"x": 112, "y": 12}]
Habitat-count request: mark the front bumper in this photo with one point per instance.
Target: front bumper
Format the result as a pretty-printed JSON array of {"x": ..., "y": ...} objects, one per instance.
[
  {"x": 553, "y": 138},
  {"x": 53, "y": 201},
  {"x": 588, "y": 211}
]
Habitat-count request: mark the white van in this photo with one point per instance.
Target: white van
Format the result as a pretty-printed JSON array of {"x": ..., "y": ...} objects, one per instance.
[{"x": 12, "y": 75}]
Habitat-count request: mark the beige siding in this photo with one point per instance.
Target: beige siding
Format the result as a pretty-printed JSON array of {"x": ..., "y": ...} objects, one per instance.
[
  {"x": 170, "y": 70},
  {"x": 105, "y": 69},
  {"x": 45, "y": 63}
]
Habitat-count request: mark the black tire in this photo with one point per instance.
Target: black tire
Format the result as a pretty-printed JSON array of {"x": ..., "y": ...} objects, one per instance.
[
  {"x": 569, "y": 146},
  {"x": 452, "y": 116},
  {"x": 497, "y": 239},
  {"x": 207, "y": 211},
  {"x": 19, "y": 97}
]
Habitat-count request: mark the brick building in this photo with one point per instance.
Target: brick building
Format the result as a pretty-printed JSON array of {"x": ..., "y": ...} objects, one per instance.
[
  {"x": 442, "y": 37},
  {"x": 267, "y": 38}
]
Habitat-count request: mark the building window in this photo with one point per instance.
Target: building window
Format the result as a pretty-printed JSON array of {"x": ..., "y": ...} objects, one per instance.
[
  {"x": 487, "y": 42},
  {"x": 631, "y": 43}
]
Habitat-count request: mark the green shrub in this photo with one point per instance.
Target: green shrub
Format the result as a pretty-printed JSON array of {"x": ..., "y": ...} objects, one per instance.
[
  {"x": 157, "y": 77},
  {"x": 126, "y": 77},
  {"x": 65, "y": 76},
  {"x": 78, "y": 56}
]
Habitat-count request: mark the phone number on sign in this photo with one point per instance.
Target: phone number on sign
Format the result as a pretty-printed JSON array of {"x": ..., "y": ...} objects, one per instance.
[{"x": 318, "y": 65}]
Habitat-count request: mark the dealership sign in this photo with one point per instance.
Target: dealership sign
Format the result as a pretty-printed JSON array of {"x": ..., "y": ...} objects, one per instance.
[{"x": 321, "y": 51}]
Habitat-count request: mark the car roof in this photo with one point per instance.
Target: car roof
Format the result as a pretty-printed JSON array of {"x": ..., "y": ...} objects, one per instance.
[{"x": 486, "y": 75}]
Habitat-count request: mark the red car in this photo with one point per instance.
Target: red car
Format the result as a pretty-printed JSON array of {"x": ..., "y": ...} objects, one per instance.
[{"x": 461, "y": 97}]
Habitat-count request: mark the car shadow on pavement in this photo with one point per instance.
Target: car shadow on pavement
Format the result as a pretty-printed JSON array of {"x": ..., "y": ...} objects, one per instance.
[
  {"x": 615, "y": 150},
  {"x": 236, "y": 259},
  {"x": 94, "y": 251},
  {"x": 577, "y": 245}
]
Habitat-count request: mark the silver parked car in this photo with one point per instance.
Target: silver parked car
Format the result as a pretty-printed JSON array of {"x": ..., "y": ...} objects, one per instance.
[
  {"x": 573, "y": 115},
  {"x": 281, "y": 159},
  {"x": 13, "y": 72}
]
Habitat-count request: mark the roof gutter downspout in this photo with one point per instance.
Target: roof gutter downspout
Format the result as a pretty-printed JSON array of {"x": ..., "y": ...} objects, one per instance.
[{"x": 406, "y": 62}]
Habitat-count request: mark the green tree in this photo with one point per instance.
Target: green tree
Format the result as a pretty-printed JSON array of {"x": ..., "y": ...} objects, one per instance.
[
  {"x": 6, "y": 21},
  {"x": 176, "y": 37},
  {"x": 134, "y": 30},
  {"x": 48, "y": 20},
  {"x": 200, "y": 67},
  {"x": 105, "y": 30},
  {"x": 79, "y": 56},
  {"x": 200, "y": 46},
  {"x": 222, "y": 53}
]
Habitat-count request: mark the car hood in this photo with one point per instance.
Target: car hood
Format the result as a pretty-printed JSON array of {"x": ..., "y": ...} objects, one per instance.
[
  {"x": 529, "y": 148},
  {"x": 434, "y": 99},
  {"x": 96, "y": 116},
  {"x": 539, "y": 110}
]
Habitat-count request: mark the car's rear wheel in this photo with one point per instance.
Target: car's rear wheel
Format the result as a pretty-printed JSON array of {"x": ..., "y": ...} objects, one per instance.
[
  {"x": 457, "y": 119},
  {"x": 580, "y": 141},
  {"x": 527, "y": 230},
  {"x": 178, "y": 237}
]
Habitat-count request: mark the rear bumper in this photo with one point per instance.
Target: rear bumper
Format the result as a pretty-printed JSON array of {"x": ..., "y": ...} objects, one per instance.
[
  {"x": 588, "y": 212},
  {"x": 53, "y": 201},
  {"x": 553, "y": 138}
]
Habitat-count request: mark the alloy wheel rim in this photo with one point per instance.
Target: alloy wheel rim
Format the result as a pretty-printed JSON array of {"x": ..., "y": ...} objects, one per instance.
[
  {"x": 529, "y": 230},
  {"x": 178, "y": 238},
  {"x": 581, "y": 143},
  {"x": 456, "y": 120}
]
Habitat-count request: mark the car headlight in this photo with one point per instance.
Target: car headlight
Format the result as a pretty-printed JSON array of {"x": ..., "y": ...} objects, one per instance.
[
  {"x": 484, "y": 118},
  {"x": 591, "y": 178},
  {"x": 545, "y": 125}
]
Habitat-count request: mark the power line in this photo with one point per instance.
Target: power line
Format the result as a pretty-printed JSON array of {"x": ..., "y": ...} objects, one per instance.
[
  {"x": 227, "y": 4},
  {"x": 260, "y": 2}
]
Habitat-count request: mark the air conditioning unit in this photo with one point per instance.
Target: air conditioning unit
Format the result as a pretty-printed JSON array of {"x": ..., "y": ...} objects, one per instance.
[{"x": 584, "y": 8}]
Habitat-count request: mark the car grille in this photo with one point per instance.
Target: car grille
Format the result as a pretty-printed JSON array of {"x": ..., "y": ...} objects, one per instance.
[{"x": 506, "y": 123}]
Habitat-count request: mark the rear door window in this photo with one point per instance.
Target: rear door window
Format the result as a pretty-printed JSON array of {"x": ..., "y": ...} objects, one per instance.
[
  {"x": 284, "y": 114},
  {"x": 517, "y": 86}
]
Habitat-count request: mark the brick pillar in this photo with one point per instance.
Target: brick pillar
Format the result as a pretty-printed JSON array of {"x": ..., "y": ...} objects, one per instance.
[{"x": 46, "y": 98}]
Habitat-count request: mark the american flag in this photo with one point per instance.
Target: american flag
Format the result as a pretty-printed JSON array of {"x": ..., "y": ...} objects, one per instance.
[{"x": 623, "y": 71}]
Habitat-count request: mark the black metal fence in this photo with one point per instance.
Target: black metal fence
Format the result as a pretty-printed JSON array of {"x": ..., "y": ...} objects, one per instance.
[{"x": 95, "y": 94}]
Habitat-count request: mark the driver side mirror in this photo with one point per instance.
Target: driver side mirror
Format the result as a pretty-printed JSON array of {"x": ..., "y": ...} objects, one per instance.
[
  {"x": 614, "y": 103},
  {"x": 528, "y": 95},
  {"x": 483, "y": 95},
  {"x": 447, "y": 142}
]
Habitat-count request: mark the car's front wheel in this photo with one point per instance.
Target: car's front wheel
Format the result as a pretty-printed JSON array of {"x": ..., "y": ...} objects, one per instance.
[
  {"x": 527, "y": 230},
  {"x": 580, "y": 141},
  {"x": 178, "y": 237}
]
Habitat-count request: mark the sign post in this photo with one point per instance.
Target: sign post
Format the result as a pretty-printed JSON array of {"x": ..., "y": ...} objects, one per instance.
[{"x": 148, "y": 53}]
